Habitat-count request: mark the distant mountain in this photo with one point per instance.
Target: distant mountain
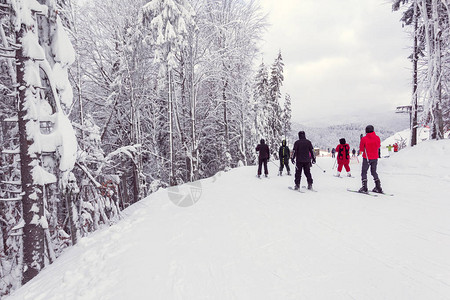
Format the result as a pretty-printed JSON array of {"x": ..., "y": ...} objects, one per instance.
[{"x": 328, "y": 136}]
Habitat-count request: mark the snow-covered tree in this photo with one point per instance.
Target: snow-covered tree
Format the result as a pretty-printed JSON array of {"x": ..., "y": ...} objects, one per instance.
[
  {"x": 430, "y": 21},
  {"x": 167, "y": 21},
  {"x": 275, "y": 111},
  {"x": 182, "y": 116},
  {"x": 287, "y": 114},
  {"x": 261, "y": 97},
  {"x": 43, "y": 89},
  {"x": 410, "y": 17}
]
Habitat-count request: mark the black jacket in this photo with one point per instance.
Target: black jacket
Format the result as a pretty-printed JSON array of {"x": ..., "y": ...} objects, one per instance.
[
  {"x": 284, "y": 151},
  {"x": 303, "y": 151},
  {"x": 263, "y": 150}
]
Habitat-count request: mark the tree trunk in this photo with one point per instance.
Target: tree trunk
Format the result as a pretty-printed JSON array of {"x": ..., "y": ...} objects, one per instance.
[
  {"x": 72, "y": 213},
  {"x": 225, "y": 116},
  {"x": 438, "y": 124},
  {"x": 433, "y": 37},
  {"x": 194, "y": 159},
  {"x": 415, "y": 59},
  {"x": 172, "y": 180},
  {"x": 32, "y": 199}
]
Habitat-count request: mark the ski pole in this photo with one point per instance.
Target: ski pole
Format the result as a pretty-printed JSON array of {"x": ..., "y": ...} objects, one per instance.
[
  {"x": 275, "y": 164},
  {"x": 319, "y": 167},
  {"x": 334, "y": 164}
]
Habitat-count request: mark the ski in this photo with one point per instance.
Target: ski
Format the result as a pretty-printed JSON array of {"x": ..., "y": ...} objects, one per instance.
[
  {"x": 291, "y": 188},
  {"x": 368, "y": 194},
  {"x": 311, "y": 190},
  {"x": 386, "y": 194}
]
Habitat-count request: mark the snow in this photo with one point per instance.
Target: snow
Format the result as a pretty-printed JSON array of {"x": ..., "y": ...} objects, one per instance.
[
  {"x": 127, "y": 150},
  {"x": 62, "y": 84},
  {"x": 249, "y": 238},
  {"x": 63, "y": 136},
  {"x": 35, "y": 220},
  {"x": 24, "y": 10},
  {"x": 68, "y": 147},
  {"x": 42, "y": 177},
  {"x": 43, "y": 222},
  {"x": 31, "y": 47},
  {"x": 62, "y": 48},
  {"x": 18, "y": 225},
  {"x": 64, "y": 54}
]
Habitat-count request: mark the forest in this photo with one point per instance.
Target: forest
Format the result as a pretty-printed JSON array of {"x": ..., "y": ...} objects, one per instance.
[
  {"x": 104, "y": 102},
  {"x": 428, "y": 24}
]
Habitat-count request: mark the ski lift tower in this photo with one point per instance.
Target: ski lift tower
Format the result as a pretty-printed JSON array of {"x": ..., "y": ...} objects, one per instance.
[{"x": 407, "y": 109}]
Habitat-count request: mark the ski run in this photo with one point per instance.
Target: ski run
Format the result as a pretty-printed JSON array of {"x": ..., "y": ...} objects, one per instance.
[{"x": 234, "y": 236}]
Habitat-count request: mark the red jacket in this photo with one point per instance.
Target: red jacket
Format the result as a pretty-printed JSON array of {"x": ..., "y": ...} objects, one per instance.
[
  {"x": 343, "y": 153},
  {"x": 369, "y": 145}
]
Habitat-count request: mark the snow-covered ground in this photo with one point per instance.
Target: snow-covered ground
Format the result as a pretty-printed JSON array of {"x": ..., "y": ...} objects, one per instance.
[{"x": 234, "y": 236}]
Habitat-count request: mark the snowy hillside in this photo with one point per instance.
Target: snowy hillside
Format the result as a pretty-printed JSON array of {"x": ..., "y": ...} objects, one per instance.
[
  {"x": 325, "y": 136},
  {"x": 234, "y": 236}
]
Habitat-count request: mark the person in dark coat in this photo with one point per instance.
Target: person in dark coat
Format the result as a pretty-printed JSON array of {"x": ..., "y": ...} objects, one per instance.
[
  {"x": 302, "y": 156},
  {"x": 263, "y": 157},
  {"x": 369, "y": 146},
  {"x": 333, "y": 151},
  {"x": 284, "y": 153}
]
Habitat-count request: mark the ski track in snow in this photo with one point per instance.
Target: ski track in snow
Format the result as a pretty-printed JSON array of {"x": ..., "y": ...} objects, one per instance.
[{"x": 250, "y": 238}]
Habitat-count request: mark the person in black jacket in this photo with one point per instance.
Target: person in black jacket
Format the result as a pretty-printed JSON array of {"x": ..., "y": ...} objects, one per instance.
[
  {"x": 263, "y": 157},
  {"x": 284, "y": 154},
  {"x": 302, "y": 156}
]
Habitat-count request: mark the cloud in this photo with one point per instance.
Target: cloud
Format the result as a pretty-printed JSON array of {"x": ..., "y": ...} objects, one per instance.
[{"x": 341, "y": 57}]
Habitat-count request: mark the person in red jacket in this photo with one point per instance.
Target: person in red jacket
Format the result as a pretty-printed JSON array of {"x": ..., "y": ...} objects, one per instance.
[
  {"x": 343, "y": 157},
  {"x": 369, "y": 146}
]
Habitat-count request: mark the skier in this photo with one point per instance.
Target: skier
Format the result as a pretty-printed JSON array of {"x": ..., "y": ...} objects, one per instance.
[
  {"x": 302, "y": 156},
  {"x": 369, "y": 146},
  {"x": 343, "y": 157},
  {"x": 333, "y": 151},
  {"x": 389, "y": 149},
  {"x": 354, "y": 152},
  {"x": 263, "y": 157},
  {"x": 284, "y": 155}
]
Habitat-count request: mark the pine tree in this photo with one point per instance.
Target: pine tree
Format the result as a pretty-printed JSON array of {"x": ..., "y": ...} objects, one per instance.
[
  {"x": 261, "y": 96},
  {"x": 275, "y": 111},
  {"x": 287, "y": 113}
]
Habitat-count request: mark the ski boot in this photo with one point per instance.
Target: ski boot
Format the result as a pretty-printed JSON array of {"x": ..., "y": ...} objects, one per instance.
[
  {"x": 289, "y": 173},
  {"x": 310, "y": 186},
  {"x": 363, "y": 189},
  {"x": 377, "y": 188},
  {"x": 297, "y": 187},
  {"x": 266, "y": 175},
  {"x": 280, "y": 173},
  {"x": 338, "y": 174},
  {"x": 349, "y": 174}
]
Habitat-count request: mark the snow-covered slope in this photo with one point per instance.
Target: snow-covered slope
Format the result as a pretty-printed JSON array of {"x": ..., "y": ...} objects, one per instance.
[{"x": 234, "y": 236}]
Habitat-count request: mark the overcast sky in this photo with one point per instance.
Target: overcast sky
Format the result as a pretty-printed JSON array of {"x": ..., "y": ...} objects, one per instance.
[{"x": 343, "y": 58}]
